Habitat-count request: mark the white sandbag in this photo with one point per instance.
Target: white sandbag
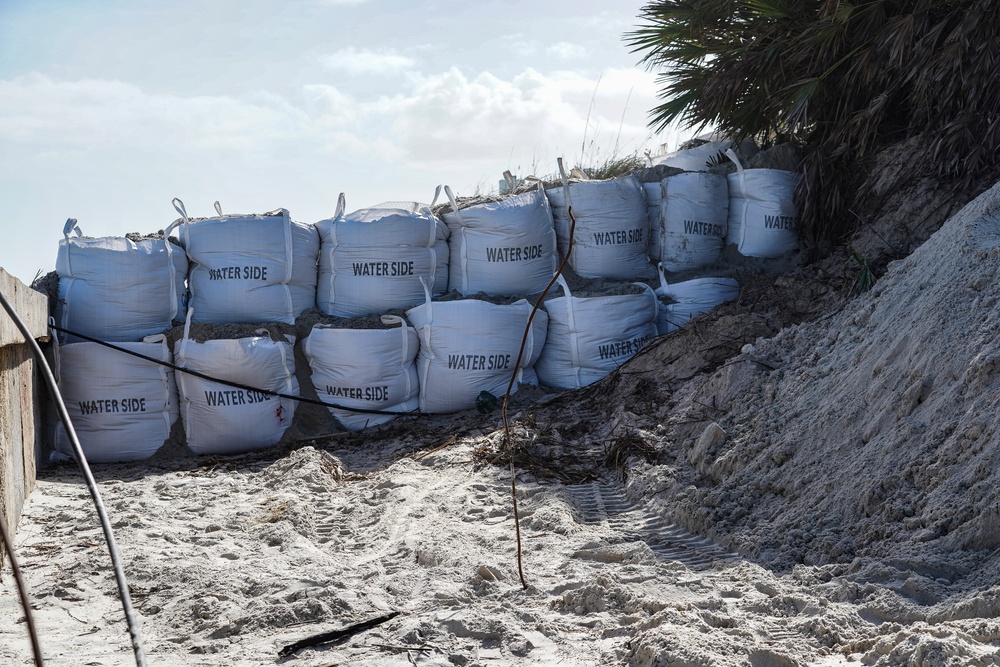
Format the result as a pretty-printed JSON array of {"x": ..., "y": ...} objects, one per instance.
[
  {"x": 504, "y": 248},
  {"x": 366, "y": 369},
  {"x": 122, "y": 407},
  {"x": 114, "y": 289},
  {"x": 589, "y": 337},
  {"x": 693, "y": 159},
  {"x": 371, "y": 261},
  {"x": 250, "y": 268},
  {"x": 220, "y": 419},
  {"x": 763, "y": 221},
  {"x": 692, "y": 297},
  {"x": 700, "y": 157},
  {"x": 653, "y": 199},
  {"x": 694, "y": 214},
  {"x": 471, "y": 346},
  {"x": 611, "y": 239}
]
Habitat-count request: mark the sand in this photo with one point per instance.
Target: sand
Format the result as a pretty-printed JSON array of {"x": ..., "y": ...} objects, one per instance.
[{"x": 785, "y": 495}]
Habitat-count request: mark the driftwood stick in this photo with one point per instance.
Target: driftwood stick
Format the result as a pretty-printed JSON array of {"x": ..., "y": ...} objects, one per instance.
[{"x": 338, "y": 636}]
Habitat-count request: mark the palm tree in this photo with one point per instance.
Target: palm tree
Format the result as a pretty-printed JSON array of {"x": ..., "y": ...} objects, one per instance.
[{"x": 844, "y": 78}]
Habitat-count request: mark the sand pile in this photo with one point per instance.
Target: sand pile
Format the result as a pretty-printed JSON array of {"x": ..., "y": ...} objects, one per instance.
[{"x": 870, "y": 432}]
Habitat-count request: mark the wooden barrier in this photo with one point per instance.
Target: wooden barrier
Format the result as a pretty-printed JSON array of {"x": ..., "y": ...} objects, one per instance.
[{"x": 21, "y": 391}]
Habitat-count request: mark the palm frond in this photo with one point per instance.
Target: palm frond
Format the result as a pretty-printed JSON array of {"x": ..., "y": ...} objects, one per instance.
[{"x": 842, "y": 77}]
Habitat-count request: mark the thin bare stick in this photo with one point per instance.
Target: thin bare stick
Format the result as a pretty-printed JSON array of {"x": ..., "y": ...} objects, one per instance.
[{"x": 510, "y": 387}]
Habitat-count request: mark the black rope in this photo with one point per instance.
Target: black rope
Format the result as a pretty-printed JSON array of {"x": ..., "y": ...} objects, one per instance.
[{"x": 236, "y": 385}]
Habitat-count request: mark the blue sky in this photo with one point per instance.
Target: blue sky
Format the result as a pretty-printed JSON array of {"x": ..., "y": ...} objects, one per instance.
[{"x": 109, "y": 109}]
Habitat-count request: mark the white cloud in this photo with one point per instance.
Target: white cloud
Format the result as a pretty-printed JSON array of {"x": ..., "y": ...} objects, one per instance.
[
  {"x": 452, "y": 117},
  {"x": 340, "y": 3},
  {"x": 567, "y": 51},
  {"x": 469, "y": 123},
  {"x": 365, "y": 61},
  {"x": 101, "y": 114}
]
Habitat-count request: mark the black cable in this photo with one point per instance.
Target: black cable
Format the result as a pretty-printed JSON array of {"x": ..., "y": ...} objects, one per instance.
[
  {"x": 81, "y": 461},
  {"x": 22, "y": 590},
  {"x": 236, "y": 385}
]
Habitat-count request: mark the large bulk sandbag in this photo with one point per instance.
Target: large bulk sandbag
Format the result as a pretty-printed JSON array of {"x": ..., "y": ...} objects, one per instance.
[
  {"x": 371, "y": 261},
  {"x": 692, "y": 298},
  {"x": 365, "y": 369},
  {"x": 611, "y": 238},
  {"x": 763, "y": 221},
  {"x": 653, "y": 211},
  {"x": 694, "y": 214},
  {"x": 470, "y": 346},
  {"x": 503, "y": 248},
  {"x": 122, "y": 407},
  {"x": 589, "y": 337},
  {"x": 250, "y": 268},
  {"x": 116, "y": 289},
  {"x": 221, "y": 419}
]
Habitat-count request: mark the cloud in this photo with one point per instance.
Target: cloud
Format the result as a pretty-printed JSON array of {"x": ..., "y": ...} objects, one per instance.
[
  {"x": 567, "y": 51},
  {"x": 67, "y": 118},
  {"x": 364, "y": 61},
  {"x": 100, "y": 114},
  {"x": 453, "y": 116},
  {"x": 465, "y": 122}
]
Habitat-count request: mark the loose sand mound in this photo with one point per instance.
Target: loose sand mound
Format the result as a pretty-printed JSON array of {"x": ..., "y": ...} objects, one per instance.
[{"x": 872, "y": 432}]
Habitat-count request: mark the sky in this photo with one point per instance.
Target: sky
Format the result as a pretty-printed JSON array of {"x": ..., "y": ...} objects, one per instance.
[{"x": 109, "y": 109}]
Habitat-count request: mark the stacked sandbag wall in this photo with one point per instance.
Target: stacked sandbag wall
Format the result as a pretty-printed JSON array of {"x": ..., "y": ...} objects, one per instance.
[{"x": 260, "y": 269}]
